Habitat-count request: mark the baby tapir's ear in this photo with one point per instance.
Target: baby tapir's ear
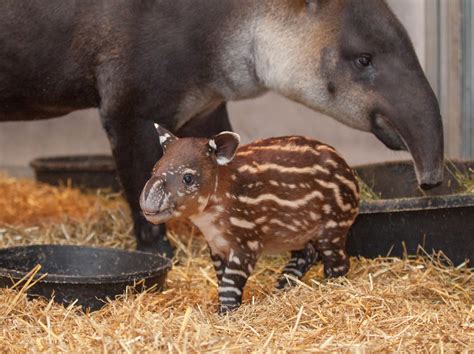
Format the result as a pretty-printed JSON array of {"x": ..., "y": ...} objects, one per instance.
[
  {"x": 166, "y": 136},
  {"x": 224, "y": 146}
]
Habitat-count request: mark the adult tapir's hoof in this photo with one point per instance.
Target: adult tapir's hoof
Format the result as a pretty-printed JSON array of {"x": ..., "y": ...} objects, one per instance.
[{"x": 152, "y": 238}]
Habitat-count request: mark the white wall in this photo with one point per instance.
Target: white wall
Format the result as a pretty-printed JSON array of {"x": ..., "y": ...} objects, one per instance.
[{"x": 270, "y": 115}]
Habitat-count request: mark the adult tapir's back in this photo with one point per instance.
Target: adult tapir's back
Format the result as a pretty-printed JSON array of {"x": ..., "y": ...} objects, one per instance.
[
  {"x": 58, "y": 56},
  {"x": 45, "y": 70}
]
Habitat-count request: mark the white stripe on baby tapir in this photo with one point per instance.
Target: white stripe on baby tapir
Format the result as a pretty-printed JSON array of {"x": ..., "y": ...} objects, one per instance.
[
  {"x": 294, "y": 204},
  {"x": 226, "y": 289},
  {"x": 244, "y": 224},
  {"x": 258, "y": 168},
  {"x": 348, "y": 183},
  {"x": 337, "y": 194},
  {"x": 261, "y": 220},
  {"x": 280, "y": 148},
  {"x": 332, "y": 163},
  {"x": 282, "y": 224},
  {"x": 228, "y": 281},
  {"x": 231, "y": 271}
]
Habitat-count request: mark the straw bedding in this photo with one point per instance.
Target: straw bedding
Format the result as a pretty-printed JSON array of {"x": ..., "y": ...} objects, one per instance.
[{"x": 385, "y": 304}]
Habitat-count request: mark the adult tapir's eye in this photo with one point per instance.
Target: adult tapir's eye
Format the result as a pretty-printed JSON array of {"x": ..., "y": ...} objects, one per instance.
[
  {"x": 364, "y": 61},
  {"x": 188, "y": 179}
]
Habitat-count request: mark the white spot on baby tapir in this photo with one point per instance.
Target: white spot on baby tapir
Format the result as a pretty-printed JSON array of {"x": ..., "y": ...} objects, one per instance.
[
  {"x": 327, "y": 252},
  {"x": 253, "y": 245},
  {"x": 265, "y": 229},
  {"x": 331, "y": 224},
  {"x": 345, "y": 223},
  {"x": 245, "y": 224},
  {"x": 233, "y": 177},
  {"x": 342, "y": 254},
  {"x": 336, "y": 240},
  {"x": 314, "y": 216},
  {"x": 327, "y": 208}
]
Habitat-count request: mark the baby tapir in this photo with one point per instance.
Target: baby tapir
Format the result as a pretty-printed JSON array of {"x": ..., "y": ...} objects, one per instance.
[{"x": 279, "y": 194}]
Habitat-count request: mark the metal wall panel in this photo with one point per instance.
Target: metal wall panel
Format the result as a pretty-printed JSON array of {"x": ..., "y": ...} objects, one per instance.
[{"x": 468, "y": 79}]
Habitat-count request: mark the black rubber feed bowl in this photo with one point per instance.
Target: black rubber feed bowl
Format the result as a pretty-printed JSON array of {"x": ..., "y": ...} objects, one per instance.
[
  {"x": 405, "y": 217},
  {"x": 82, "y": 171},
  {"x": 88, "y": 275}
]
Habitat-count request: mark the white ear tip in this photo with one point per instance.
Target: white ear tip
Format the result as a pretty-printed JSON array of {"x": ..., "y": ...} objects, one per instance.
[
  {"x": 236, "y": 136},
  {"x": 157, "y": 125}
]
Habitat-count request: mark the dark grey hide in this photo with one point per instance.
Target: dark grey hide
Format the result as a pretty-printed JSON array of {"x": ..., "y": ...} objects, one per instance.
[{"x": 177, "y": 62}]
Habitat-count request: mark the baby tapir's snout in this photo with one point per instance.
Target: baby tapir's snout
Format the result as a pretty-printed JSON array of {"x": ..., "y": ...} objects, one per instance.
[
  {"x": 152, "y": 195},
  {"x": 155, "y": 201}
]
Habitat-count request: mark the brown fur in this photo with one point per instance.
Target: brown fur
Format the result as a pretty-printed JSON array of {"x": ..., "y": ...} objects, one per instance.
[{"x": 279, "y": 194}]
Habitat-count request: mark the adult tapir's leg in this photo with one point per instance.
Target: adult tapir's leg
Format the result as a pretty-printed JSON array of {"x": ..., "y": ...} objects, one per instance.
[
  {"x": 136, "y": 149},
  {"x": 208, "y": 125}
]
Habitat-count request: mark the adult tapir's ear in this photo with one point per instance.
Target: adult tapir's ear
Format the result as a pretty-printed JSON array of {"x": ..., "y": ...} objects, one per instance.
[
  {"x": 315, "y": 5},
  {"x": 166, "y": 136},
  {"x": 224, "y": 146}
]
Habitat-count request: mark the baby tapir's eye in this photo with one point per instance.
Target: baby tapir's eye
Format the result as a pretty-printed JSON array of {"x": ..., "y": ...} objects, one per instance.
[{"x": 188, "y": 179}]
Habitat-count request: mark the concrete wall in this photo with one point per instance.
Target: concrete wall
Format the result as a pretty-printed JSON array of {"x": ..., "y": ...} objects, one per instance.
[{"x": 271, "y": 115}]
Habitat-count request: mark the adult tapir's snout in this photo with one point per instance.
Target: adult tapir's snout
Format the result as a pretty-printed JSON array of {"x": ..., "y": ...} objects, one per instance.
[
  {"x": 410, "y": 119},
  {"x": 403, "y": 109}
]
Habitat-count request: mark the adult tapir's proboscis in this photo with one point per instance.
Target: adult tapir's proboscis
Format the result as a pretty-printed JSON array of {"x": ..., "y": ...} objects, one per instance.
[{"x": 177, "y": 62}]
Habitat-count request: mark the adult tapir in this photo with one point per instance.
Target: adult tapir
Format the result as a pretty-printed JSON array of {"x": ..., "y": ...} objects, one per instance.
[{"x": 177, "y": 62}]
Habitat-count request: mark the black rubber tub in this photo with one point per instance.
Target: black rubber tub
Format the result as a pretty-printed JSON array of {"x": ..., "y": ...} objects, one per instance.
[
  {"x": 83, "y": 171},
  {"x": 405, "y": 217},
  {"x": 88, "y": 275}
]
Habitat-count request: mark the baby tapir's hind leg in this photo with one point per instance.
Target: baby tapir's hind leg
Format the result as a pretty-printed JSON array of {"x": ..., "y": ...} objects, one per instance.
[
  {"x": 300, "y": 262},
  {"x": 332, "y": 247}
]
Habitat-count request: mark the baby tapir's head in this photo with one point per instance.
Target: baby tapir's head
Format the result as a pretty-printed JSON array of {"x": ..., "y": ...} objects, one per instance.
[{"x": 185, "y": 178}]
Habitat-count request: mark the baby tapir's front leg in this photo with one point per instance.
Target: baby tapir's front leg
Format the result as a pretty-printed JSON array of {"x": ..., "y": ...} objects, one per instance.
[{"x": 238, "y": 268}]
